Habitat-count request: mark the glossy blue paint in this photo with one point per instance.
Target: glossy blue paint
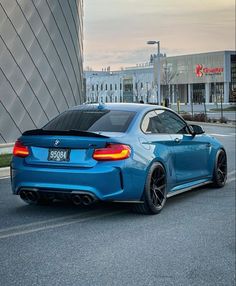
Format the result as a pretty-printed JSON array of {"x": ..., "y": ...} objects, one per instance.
[{"x": 187, "y": 160}]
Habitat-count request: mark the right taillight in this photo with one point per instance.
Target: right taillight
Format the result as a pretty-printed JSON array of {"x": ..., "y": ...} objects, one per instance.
[
  {"x": 112, "y": 152},
  {"x": 20, "y": 150}
]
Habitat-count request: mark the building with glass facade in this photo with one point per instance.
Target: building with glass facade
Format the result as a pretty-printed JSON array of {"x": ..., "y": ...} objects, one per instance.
[
  {"x": 41, "y": 57},
  {"x": 209, "y": 77}
]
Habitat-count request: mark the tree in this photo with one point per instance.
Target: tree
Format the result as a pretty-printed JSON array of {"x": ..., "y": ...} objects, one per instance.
[{"x": 167, "y": 77}]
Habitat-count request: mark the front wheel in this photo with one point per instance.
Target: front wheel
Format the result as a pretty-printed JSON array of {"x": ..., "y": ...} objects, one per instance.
[
  {"x": 154, "y": 192},
  {"x": 220, "y": 169}
]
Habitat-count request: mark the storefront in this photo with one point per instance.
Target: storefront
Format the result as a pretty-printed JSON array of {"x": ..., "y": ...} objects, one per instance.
[{"x": 207, "y": 77}]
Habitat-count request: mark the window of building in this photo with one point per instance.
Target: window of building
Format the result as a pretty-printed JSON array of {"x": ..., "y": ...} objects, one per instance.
[
  {"x": 141, "y": 85},
  {"x": 106, "y": 87},
  {"x": 110, "y": 86},
  {"x": 115, "y": 86},
  {"x": 101, "y": 86},
  {"x": 92, "y": 87}
]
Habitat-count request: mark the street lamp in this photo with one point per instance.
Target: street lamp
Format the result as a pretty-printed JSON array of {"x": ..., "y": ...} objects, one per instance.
[{"x": 158, "y": 69}]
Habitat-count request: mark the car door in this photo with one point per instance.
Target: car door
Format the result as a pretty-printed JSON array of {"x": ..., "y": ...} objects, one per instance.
[
  {"x": 160, "y": 144},
  {"x": 190, "y": 153}
]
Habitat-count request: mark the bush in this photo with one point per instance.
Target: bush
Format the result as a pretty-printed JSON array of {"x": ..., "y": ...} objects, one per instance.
[
  {"x": 223, "y": 120},
  {"x": 187, "y": 117},
  {"x": 201, "y": 117}
]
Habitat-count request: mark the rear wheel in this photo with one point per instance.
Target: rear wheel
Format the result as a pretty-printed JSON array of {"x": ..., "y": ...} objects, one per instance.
[
  {"x": 220, "y": 169},
  {"x": 154, "y": 192}
]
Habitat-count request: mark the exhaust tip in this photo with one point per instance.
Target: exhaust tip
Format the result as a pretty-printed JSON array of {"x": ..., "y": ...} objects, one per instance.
[
  {"x": 87, "y": 200},
  {"x": 30, "y": 197},
  {"x": 76, "y": 199}
]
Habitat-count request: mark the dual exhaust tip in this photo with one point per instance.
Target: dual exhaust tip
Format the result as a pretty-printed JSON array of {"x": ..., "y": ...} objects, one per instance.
[
  {"x": 33, "y": 197},
  {"x": 85, "y": 200}
]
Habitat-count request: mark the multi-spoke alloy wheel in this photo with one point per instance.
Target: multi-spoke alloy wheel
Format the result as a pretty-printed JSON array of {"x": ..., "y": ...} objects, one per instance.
[
  {"x": 220, "y": 170},
  {"x": 158, "y": 187},
  {"x": 155, "y": 191}
]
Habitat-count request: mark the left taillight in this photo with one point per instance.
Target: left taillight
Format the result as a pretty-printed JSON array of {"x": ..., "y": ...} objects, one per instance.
[
  {"x": 20, "y": 150},
  {"x": 112, "y": 152}
]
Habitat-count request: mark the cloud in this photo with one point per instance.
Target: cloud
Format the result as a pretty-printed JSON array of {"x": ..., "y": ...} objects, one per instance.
[{"x": 116, "y": 31}]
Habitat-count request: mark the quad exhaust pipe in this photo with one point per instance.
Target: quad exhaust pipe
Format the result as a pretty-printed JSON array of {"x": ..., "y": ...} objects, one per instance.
[{"x": 32, "y": 196}]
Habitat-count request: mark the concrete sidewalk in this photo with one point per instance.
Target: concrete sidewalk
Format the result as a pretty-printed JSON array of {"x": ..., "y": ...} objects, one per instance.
[{"x": 4, "y": 172}]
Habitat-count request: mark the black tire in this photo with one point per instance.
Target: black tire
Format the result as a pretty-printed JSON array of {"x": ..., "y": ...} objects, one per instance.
[
  {"x": 220, "y": 169},
  {"x": 154, "y": 195}
]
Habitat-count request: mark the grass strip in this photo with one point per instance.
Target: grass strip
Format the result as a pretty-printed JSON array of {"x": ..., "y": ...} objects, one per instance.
[{"x": 5, "y": 160}]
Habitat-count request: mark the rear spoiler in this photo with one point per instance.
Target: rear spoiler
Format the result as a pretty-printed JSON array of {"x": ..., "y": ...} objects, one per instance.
[{"x": 63, "y": 133}]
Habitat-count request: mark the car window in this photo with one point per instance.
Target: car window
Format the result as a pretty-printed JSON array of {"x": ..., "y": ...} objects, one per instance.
[
  {"x": 92, "y": 120},
  {"x": 163, "y": 121},
  {"x": 152, "y": 123},
  {"x": 172, "y": 122}
]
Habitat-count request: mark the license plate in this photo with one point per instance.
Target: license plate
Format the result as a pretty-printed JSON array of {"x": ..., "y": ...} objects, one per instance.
[{"x": 59, "y": 155}]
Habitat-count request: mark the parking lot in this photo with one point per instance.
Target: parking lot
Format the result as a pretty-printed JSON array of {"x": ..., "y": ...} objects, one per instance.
[{"x": 191, "y": 242}]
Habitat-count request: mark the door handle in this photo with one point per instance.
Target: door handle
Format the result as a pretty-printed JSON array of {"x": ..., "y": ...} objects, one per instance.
[{"x": 177, "y": 140}]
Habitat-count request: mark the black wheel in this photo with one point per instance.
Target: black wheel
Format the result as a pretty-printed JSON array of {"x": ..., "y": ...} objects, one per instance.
[
  {"x": 155, "y": 191},
  {"x": 220, "y": 169}
]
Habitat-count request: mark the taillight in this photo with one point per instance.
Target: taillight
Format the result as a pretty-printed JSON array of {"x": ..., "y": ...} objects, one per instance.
[
  {"x": 20, "y": 150},
  {"x": 112, "y": 152}
]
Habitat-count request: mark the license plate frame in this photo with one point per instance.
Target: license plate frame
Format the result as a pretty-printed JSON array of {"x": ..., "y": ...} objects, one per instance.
[{"x": 58, "y": 155}]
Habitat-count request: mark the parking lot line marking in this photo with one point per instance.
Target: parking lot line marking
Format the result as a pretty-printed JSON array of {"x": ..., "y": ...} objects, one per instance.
[
  {"x": 231, "y": 180},
  {"x": 53, "y": 220},
  {"x": 232, "y": 172},
  {"x": 222, "y": 135},
  {"x": 48, "y": 227}
]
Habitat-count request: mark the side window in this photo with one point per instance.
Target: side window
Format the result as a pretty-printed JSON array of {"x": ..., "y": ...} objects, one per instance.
[
  {"x": 163, "y": 121},
  {"x": 152, "y": 124},
  {"x": 172, "y": 123}
]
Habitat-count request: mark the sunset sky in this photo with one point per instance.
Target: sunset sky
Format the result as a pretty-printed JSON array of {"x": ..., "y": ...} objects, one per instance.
[{"x": 116, "y": 31}]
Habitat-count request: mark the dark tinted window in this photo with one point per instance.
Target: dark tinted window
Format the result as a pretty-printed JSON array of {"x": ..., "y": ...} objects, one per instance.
[
  {"x": 92, "y": 120},
  {"x": 163, "y": 121}
]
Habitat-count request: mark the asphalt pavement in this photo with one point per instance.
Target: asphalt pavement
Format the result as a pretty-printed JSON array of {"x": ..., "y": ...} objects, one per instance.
[{"x": 191, "y": 242}]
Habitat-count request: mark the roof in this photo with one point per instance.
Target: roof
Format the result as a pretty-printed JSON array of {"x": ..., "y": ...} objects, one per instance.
[{"x": 118, "y": 106}]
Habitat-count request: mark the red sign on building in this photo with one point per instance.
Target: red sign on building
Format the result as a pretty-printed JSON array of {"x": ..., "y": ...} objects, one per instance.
[{"x": 200, "y": 70}]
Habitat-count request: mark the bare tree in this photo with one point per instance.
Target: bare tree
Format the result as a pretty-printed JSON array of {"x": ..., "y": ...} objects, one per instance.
[{"x": 167, "y": 77}]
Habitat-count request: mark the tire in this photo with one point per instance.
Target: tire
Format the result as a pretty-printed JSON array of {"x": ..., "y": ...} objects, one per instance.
[
  {"x": 154, "y": 192},
  {"x": 220, "y": 169}
]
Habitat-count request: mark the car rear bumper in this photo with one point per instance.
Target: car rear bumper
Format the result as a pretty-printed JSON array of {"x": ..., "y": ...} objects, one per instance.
[{"x": 104, "y": 183}]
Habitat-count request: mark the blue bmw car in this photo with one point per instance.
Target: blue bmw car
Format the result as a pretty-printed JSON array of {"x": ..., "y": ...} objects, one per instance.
[{"x": 116, "y": 152}]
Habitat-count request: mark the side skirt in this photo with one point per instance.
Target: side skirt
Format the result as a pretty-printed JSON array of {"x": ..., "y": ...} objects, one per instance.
[{"x": 171, "y": 194}]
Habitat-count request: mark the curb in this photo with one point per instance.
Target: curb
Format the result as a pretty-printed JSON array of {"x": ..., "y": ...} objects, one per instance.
[{"x": 4, "y": 172}]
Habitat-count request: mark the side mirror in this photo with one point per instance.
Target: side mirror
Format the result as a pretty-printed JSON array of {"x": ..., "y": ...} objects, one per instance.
[{"x": 196, "y": 129}]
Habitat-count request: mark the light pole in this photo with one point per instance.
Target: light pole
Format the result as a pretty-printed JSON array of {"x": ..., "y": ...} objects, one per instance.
[{"x": 158, "y": 69}]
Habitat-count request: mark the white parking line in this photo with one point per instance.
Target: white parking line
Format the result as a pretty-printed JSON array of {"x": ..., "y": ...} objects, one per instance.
[
  {"x": 232, "y": 172},
  {"x": 46, "y": 227},
  {"x": 222, "y": 135},
  {"x": 53, "y": 220}
]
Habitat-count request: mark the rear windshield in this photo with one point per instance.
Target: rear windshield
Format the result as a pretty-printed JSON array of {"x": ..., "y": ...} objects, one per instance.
[{"x": 93, "y": 121}]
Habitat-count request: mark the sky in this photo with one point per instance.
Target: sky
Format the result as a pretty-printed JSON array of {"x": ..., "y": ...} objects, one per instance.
[{"x": 116, "y": 31}]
